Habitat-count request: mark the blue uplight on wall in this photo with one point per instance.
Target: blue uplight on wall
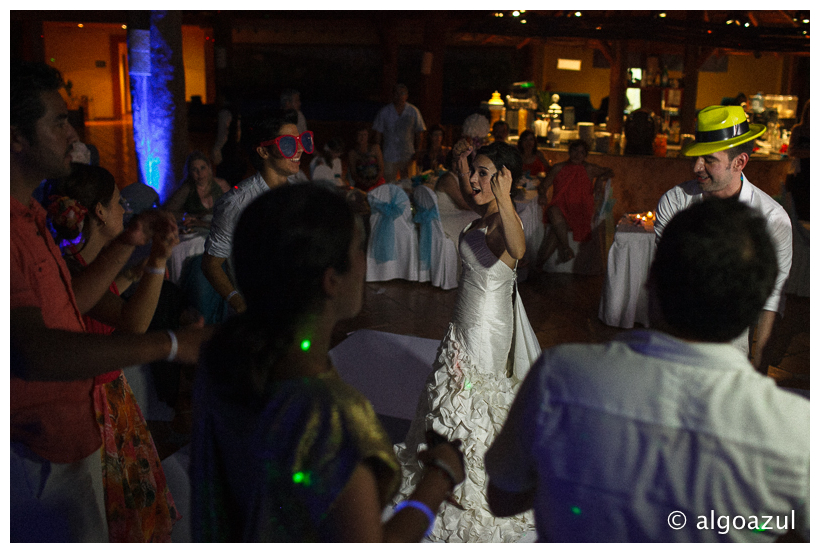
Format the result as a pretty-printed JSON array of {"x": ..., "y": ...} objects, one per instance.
[{"x": 153, "y": 108}]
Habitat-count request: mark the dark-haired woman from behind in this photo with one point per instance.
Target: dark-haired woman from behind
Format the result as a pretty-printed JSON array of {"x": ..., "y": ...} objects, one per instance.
[
  {"x": 283, "y": 449},
  {"x": 85, "y": 209}
]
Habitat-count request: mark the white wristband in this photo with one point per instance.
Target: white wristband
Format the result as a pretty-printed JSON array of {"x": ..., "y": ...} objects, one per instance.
[
  {"x": 444, "y": 467},
  {"x": 174, "y": 346},
  {"x": 154, "y": 270},
  {"x": 232, "y": 294}
]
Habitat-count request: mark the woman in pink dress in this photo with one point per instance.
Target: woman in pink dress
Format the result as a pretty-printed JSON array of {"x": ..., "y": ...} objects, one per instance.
[{"x": 85, "y": 210}]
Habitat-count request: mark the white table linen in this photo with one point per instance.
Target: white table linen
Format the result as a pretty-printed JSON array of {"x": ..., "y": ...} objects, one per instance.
[
  {"x": 190, "y": 245},
  {"x": 624, "y": 298}
]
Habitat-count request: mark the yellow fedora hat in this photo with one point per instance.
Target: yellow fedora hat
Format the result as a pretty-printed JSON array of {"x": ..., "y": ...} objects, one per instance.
[{"x": 720, "y": 128}]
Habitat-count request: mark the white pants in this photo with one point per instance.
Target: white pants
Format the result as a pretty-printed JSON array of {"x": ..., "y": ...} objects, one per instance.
[
  {"x": 394, "y": 168},
  {"x": 56, "y": 502}
]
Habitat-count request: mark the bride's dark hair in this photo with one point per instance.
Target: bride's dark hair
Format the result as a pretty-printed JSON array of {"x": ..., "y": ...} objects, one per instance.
[
  {"x": 501, "y": 153},
  {"x": 284, "y": 242}
]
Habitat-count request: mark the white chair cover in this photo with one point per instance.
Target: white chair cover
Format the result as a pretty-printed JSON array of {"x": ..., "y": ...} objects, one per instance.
[
  {"x": 589, "y": 255},
  {"x": 393, "y": 248},
  {"x": 530, "y": 212},
  {"x": 438, "y": 259}
]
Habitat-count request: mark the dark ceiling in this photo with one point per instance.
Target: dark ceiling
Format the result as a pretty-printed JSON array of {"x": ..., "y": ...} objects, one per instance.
[
  {"x": 754, "y": 31},
  {"x": 775, "y": 30}
]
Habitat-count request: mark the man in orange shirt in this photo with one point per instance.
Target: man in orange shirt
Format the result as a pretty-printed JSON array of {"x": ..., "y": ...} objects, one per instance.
[{"x": 56, "y": 486}]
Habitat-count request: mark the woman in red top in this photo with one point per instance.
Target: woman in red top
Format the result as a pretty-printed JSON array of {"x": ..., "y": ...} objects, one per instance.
[
  {"x": 86, "y": 210},
  {"x": 572, "y": 205}
]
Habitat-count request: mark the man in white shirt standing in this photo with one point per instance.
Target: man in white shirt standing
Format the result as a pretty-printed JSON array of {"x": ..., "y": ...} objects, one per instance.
[
  {"x": 291, "y": 99},
  {"x": 665, "y": 435},
  {"x": 401, "y": 125},
  {"x": 722, "y": 148}
]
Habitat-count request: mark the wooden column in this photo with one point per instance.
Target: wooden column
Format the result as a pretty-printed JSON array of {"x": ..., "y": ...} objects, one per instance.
[
  {"x": 617, "y": 86},
  {"x": 432, "y": 70},
  {"x": 388, "y": 36},
  {"x": 536, "y": 47},
  {"x": 615, "y": 53},
  {"x": 27, "y": 41},
  {"x": 689, "y": 97},
  {"x": 210, "y": 75},
  {"x": 223, "y": 57}
]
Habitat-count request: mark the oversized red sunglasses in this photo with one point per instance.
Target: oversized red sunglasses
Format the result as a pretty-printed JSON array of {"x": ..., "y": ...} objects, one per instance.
[{"x": 286, "y": 144}]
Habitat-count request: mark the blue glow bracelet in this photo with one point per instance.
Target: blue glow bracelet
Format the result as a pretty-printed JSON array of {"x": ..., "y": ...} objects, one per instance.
[{"x": 421, "y": 507}]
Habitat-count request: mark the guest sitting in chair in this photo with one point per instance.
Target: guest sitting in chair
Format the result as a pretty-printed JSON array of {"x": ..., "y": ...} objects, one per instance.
[
  {"x": 450, "y": 197},
  {"x": 573, "y": 204},
  {"x": 435, "y": 155},
  {"x": 535, "y": 164},
  {"x": 327, "y": 165},
  {"x": 365, "y": 162},
  {"x": 193, "y": 201}
]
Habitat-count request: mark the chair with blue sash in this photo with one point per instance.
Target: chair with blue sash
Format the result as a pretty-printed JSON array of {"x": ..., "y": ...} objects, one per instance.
[
  {"x": 392, "y": 251},
  {"x": 438, "y": 259}
]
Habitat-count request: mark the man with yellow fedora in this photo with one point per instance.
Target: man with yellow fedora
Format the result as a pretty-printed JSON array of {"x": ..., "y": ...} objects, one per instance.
[{"x": 723, "y": 144}]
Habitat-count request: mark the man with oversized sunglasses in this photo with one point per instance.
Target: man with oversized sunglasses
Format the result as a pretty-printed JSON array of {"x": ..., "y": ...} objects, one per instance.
[{"x": 275, "y": 147}]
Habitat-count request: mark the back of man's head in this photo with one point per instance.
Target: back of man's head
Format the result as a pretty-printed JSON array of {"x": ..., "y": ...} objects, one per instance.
[
  {"x": 28, "y": 81},
  {"x": 264, "y": 126},
  {"x": 713, "y": 271}
]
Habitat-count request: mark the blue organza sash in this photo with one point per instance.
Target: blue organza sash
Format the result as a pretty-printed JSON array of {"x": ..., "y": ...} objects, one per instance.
[
  {"x": 425, "y": 217},
  {"x": 384, "y": 232}
]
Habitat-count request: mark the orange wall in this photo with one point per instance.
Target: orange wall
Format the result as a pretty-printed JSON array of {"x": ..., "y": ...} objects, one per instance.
[
  {"x": 193, "y": 58},
  {"x": 76, "y": 50},
  {"x": 746, "y": 74},
  {"x": 590, "y": 80}
]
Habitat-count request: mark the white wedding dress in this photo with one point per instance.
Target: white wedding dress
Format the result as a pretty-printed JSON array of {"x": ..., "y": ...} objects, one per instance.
[{"x": 485, "y": 354}]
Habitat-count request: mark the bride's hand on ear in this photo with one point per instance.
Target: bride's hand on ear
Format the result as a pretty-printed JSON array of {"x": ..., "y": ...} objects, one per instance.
[{"x": 501, "y": 183}]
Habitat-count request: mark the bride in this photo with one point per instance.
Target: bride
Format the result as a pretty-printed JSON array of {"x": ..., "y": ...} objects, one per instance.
[{"x": 485, "y": 354}]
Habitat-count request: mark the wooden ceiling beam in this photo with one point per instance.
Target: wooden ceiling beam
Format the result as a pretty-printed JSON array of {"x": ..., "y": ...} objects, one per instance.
[
  {"x": 523, "y": 43},
  {"x": 788, "y": 18},
  {"x": 605, "y": 49}
]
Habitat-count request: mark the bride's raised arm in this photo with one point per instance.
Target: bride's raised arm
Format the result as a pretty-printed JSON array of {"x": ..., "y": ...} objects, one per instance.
[{"x": 511, "y": 227}]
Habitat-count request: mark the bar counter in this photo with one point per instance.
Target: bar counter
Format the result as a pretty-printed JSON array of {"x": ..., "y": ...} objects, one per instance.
[{"x": 640, "y": 181}]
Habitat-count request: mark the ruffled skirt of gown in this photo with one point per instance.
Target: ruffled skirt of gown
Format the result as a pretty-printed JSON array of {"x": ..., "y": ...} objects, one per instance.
[{"x": 473, "y": 409}]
